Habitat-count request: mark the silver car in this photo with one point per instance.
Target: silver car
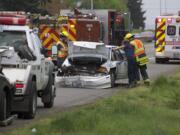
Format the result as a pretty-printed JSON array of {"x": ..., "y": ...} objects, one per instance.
[{"x": 92, "y": 65}]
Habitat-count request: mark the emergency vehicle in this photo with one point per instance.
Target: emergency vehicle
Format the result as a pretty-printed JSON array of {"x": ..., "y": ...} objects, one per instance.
[
  {"x": 101, "y": 25},
  {"x": 167, "y": 38},
  {"x": 24, "y": 64},
  {"x": 107, "y": 26}
]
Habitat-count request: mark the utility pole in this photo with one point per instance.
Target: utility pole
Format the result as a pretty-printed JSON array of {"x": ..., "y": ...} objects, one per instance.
[
  {"x": 60, "y": 5},
  {"x": 160, "y": 6},
  {"x": 92, "y": 4},
  {"x": 165, "y": 6}
]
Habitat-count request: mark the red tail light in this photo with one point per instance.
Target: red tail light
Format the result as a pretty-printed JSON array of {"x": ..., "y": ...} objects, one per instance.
[{"x": 19, "y": 86}]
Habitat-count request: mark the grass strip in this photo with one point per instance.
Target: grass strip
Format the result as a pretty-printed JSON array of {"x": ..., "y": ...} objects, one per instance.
[{"x": 153, "y": 110}]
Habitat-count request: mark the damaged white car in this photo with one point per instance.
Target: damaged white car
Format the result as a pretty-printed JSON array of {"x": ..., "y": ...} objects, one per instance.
[{"x": 92, "y": 65}]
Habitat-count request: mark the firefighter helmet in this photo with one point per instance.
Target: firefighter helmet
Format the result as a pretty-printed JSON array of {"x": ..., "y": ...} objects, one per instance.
[
  {"x": 64, "y": 33},
  {"x": 128, "y": 36}
]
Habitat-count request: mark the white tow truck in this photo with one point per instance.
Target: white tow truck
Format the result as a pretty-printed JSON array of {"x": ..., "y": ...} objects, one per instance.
[{"x": 24, "y": 65}]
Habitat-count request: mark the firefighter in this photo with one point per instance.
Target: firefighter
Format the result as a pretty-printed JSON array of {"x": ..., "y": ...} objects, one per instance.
[
  {"x": 64, "y": 37},
  {"x": 132, "y": 66},
  {"x": 62, "y": 53},
  {"x": 141, "y": 58}
]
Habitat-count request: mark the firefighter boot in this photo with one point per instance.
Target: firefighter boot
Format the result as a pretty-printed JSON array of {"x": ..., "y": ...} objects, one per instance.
[
  {"x": 147, "y": 82},
  {"x": 138, "y": 83}
]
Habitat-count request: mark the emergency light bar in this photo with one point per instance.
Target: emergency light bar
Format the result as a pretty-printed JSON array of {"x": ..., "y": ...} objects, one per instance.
[
  {"x": 13, "y": 13},
  {"x": 12, "y": 20}
]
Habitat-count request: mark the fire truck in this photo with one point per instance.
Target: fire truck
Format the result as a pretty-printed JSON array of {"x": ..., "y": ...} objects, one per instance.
[
  {"x": 167, "y": 38},
  {"x": 107, "y": 26}
]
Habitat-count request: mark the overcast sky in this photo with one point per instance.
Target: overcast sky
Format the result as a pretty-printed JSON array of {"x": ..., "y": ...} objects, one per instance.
[{"x": 152, "y": 8}]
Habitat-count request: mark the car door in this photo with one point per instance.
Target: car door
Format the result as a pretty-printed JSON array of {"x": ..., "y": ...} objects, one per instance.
[
  {"x": 121, "y": 65},
  {"x": 40, "y": 63}
]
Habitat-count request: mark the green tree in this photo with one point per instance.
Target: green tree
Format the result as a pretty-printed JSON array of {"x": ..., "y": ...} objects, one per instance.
[
  {"x": 137, "y": 15},
  {"x": 99, "y": 4},
  {"x": 68, "y": 4},
  {"x": 23, "y": 5},
  {"x": 44, "y": 2},
  {"x": 105, "y": 4}
]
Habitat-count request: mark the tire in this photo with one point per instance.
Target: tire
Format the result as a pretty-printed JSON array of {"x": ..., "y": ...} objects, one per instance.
[
  {"x": 3, "y": 106},
  {"x": 113, "y": 78},
  {"x": 48, "y": 97},
  {"x": 161, "y": 60},
  {"x": 158, "y": 60},
  {"x": 32, "y": 103},
  {"x": 50, "y": 104}
]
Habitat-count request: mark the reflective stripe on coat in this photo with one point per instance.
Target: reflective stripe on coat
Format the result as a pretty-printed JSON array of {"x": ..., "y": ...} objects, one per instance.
[{"x": 139, "y": 53}]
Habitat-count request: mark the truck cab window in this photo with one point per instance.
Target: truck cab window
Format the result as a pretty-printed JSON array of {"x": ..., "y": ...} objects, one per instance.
[{"x": 7, "y": 38}]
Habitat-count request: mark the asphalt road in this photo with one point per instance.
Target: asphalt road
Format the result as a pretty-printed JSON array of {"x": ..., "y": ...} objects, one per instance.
[{"x": 69, "y": 97}]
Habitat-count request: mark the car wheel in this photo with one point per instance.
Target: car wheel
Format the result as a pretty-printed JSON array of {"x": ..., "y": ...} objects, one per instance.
[
  {"x": 113, "y": 78},
  {"x": 3, "y": 106},
  {"x": 32, "y": 103},
  {"x": 161, "y": 60}
]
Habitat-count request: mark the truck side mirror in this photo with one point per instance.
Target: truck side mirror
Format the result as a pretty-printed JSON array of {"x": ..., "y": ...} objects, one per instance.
[{"x": 44, "y": 51}]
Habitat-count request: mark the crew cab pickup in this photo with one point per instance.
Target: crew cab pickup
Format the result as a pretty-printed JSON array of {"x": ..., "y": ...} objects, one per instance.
[{"x": 26, "y": 68}]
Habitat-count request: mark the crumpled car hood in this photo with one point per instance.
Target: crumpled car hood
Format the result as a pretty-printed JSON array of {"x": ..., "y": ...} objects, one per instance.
[{"x": 82, "y": 54}]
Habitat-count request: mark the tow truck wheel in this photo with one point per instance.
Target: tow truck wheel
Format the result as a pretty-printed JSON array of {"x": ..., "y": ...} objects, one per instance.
[
  {"x": 51, "y": 101},
  {"x": 48, "y": 97},
  {"x": 32, "y": 103},
  {"x": 3, "y": 106},
  {"x": 113, "y": 78}
]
